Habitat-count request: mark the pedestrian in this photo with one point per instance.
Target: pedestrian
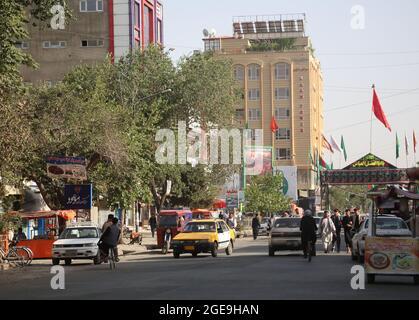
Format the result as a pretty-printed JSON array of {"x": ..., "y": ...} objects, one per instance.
[
  {"x": 19, "y": 235},
  {"x": 255, "y": 226},
  {"x": 108, "y": 223},
  {"x": 347, "y": 227},
  {"x": 338, "y": 226},
  {"x": 231, "y": 221},
  {"x": 356, "y": 221},
  {"x": 327, "y": 231},
  {"x": 308, "y": 233},
  {"x": 153, "y": 225}
]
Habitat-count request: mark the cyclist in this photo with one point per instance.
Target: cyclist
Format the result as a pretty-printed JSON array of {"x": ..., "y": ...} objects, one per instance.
[
  {"x": 308, "y": 229},
  {"x": 109, "y": 239}
]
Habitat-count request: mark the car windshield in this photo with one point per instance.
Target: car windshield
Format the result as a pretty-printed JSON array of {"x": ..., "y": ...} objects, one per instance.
[
  {"x": 80, "y": 233},
  {"x": 200, "y": 227},
  {"x": 287, "y": 223},
  {"x": 388, "y": 224},
  {"x": 168, "y": 221}
]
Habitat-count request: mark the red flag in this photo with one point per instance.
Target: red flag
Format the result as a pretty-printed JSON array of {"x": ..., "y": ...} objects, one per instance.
[
  {"x": 326, "y": 144},
  {"x": 274, "y": 125},
  {"x": 378, "y": 110},
  {"x": 415, "y": 142}
]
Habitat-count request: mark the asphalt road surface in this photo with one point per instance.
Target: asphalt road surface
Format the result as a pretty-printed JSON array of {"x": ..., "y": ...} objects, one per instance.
[{"x": 248, "y": 274}]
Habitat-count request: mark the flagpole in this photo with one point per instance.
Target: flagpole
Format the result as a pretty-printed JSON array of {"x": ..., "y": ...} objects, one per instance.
[
  {"x": 373, "y": 87},
  {"x": 407, "y": 150}
]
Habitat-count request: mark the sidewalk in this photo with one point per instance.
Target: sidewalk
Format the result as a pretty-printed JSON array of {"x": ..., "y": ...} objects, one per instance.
[{"x": 148, "y": 243}]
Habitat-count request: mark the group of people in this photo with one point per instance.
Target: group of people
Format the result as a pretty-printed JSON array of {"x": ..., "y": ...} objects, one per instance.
[
  {"x": 230, "y": 219},
  {"x": 330, "y": 229}
]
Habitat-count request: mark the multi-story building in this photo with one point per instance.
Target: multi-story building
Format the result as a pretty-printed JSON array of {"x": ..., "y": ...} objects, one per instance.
[
  {"x": 275, "y": 66},
  {"x": 98, "y": 28}
]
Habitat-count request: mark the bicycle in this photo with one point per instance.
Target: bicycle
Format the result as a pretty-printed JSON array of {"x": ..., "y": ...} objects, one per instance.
[
  {"x": 12, "y": 257},
  {"x": 24, "y": 252}
]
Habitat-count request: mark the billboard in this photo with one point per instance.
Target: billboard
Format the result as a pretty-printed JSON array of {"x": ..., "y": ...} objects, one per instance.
[
  {"x": 78, "y": 197},
  {"x": 67, "y": 168},
  {"x": 257, "y": 160},
  {"x": 290, "y": 181}
]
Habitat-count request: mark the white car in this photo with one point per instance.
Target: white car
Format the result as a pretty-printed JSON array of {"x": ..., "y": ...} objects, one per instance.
[
  {"x": 77, "y": 242},
  {"x": 387, "y": 226},
  {"x": 285, "y": 235}
]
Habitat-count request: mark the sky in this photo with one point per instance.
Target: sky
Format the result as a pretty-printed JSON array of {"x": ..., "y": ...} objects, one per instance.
[{"x": 381, "y": 49}]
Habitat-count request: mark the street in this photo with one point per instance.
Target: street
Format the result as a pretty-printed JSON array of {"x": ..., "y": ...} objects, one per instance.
[{"x": 248, "y": 274}]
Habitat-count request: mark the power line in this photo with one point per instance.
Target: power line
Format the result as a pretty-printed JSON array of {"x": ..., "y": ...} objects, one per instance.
[
  {"x": 369, "y": 53},
  {"x": 368, "y": 101},
  {"x": 373, "y": 67}
]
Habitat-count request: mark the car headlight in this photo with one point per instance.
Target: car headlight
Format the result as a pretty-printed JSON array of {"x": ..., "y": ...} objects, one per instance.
[{"x": 90, "y": 245}]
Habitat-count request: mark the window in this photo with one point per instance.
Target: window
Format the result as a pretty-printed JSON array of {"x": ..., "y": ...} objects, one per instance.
[
  {"x": 283, "y": 154},
  {"x": 282, "y": 93},
  {"x": 148, "y": 26},
  {"x": 282, "y": 113},
  {"x": 239, "y": 114},
  {"x": 283, "y": 134},
  {"x": 91, "y": 5},
  {"x": 239, "y": 72},
  {"x": 22, "y": 45},
  {"x": 159, "y": 31},
  {"x": 254, "y": 94},
  {"x": 92, "y": 43},
  {"x": 54, "y": 44},
  {"x": 256, "y": 134},
  {"x": 254, "y": 72},
  {"x": 255, "y": 114},
  {"x": 213, "y": 45},
  {"x": 136, "y": 14},
  {"x": 282, "y": 71}
]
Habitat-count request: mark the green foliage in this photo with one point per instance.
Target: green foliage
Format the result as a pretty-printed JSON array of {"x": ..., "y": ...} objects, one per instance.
[
  {"x": 344, "y": 197},
  {"x": 8, "y": 222},
  {"x": 265, "y": 195},
  {"x": 272, "y": 44}
]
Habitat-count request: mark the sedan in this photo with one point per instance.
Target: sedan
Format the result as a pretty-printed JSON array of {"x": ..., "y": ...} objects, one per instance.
[
  {"x": 285, "y": 235},
  {"x": 387, "y": 226}
]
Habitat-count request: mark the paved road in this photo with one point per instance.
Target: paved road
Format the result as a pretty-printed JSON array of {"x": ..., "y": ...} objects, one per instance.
[{"x": 248, "y": 274}]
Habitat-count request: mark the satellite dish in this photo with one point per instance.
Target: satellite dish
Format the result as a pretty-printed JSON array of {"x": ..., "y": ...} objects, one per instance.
[
  {"x": 206, "y": 33},
  {"x": 213, "y": 32}
]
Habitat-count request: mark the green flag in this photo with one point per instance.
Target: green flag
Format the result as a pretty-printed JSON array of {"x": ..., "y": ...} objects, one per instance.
[
  {"x": 397, "y": 147},
  {"x": 342, "y": 145},
  {"x": 311, "y": 159}
]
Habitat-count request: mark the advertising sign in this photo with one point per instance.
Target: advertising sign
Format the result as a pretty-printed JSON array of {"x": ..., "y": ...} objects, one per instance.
[
  {"x": 257, "y": 160},
  {"x": 78, "y": 197},
  {"x": 67, "y": 168},
  {"x": 290, "y": 181},
  {"x": 392, "y": 256},
  {"x": 232, "y": 199}
]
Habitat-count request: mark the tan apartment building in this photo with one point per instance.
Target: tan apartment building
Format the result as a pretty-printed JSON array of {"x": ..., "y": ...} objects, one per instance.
[
  {"x": 280, "y": 77},
  {"x": 97, "y": 28}
]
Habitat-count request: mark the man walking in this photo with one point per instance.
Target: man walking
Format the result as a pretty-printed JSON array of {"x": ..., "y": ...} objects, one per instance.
[
  {"x": 308, "y": 233},
  {"x": 153, "y": 225},
  {"x": 255, "y": 226},
  {"x": 356, "y": 222},
  {"x": 347, "y": 226},
  {"x": 327, "y": 230},
  {"x": 338, "y": 225}
]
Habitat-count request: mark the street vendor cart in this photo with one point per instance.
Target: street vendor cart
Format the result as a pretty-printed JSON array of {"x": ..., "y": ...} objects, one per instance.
[
  {"x": 43, "y": 229},
  {"x": 392, "y": 256}
]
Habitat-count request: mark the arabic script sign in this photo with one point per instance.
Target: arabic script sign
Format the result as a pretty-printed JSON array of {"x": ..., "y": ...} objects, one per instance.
[
  {"x": 370, "y": 161},
  {"x": 78, "y": 196}
]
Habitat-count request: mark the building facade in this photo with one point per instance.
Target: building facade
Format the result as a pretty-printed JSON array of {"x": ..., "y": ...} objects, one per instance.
[
  {"x": 280, "y": 77},
  {"x": 98, "y": 28}
]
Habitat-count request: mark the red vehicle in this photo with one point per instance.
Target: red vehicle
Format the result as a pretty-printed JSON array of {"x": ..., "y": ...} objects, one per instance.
[
  {"x": 200, "y": 214},
  {"x": 170, "y": 223}
]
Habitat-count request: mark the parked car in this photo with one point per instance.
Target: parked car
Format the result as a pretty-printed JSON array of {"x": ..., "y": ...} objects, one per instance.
[
  {"x": 204, "y": 236},
  {"x": 318, "y": 220},
  {"x": 387, "y": 226},
  {"x": 77, "y": 242},
  {"x": 285, "y": 235},
  {"x": 265, "y": 226}
]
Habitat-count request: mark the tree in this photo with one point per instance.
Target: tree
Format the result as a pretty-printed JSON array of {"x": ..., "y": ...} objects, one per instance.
[
  {"x": 265, "y": 194},
  {"x": 349, "y": 196}
]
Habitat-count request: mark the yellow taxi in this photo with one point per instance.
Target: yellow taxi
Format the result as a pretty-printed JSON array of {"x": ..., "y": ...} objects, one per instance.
[{"x": 204, "y": 236}]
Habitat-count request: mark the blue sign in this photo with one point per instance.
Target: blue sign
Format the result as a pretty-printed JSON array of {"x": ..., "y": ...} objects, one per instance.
[{"x": 78, "y": 196}]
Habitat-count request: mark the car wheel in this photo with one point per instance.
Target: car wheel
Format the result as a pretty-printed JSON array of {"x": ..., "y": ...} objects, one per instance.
[
  {"x": 361, "y": 258},
  {"x": 97, "y": 260},
  {"x": 55, "y": 262},
  {"x": 67, "y": 262},
  {"x": 214, "y": 251},
  {"x": 416, "y": 280},
  {"x": 176, "y": 254},
  {"x": 229, "y": 250},
  {"x": 195, "y": 254},
  {"x": 371, "y": 278},
  {"x": 271, "y": 252}
]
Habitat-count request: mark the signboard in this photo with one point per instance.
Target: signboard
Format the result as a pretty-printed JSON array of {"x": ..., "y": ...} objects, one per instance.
[
  {"x": 392, "y": 256},
  {"x": 78, "y": 197},
  {"x": 67, "y": 168},
  {"x": 365, "y": 177},
  {"x": 257, "y": 160},
  {"x": 232, "y": 199},
  {"x": 290, "y": 181},
  {"x": 370, "y": 161}
]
